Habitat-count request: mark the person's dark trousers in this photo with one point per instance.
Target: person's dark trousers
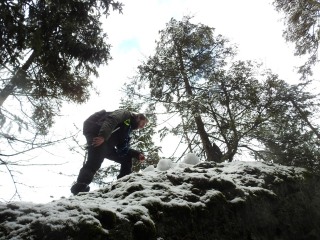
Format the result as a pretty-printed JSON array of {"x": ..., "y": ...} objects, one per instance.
[
  {"x": 124, "y": 160},
  {"x": 91, "y": 166},
  {"x": 95, "y": 158}
]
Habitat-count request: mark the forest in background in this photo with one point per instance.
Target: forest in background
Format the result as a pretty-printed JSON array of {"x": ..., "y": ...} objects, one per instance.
[{"x": 225, "y": 107}]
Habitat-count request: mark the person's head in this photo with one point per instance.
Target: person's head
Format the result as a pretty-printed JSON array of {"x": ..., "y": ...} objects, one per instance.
[{"x": 141, "y": 121}]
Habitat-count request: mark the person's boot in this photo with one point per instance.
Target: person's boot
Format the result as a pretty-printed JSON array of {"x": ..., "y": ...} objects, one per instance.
[{"x": 79, "y": 187}]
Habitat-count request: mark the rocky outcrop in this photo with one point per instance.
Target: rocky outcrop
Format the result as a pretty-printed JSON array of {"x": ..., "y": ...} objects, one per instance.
[{"x": 238, "y": 200}]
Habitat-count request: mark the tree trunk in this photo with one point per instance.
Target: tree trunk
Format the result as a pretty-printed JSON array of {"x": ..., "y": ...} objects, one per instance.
[
  {"x": 17, "y": 80},
  {"x": 213, "y": 152}
]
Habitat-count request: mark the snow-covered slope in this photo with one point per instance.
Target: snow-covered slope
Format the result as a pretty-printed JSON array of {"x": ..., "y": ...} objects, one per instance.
[{"x": 238, "y": 200}]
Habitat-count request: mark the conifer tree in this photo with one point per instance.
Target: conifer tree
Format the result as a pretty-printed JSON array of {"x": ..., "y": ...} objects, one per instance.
[
  {"x": 241, "y": 107},
  {"x": 302, "y": 29},
  {"x": 49, "y": 52}
]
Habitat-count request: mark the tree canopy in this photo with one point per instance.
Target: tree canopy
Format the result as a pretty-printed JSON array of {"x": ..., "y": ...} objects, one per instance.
[
  {"x": 225, "y": 107},
  {"x": 302, "y": 29},
  {"x": 49, "y": 52}
]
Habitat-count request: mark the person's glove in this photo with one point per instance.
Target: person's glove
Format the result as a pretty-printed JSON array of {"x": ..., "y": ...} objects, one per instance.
[
  {"x": 97, "y": 141},
  {"x": 141, "y": 157}
]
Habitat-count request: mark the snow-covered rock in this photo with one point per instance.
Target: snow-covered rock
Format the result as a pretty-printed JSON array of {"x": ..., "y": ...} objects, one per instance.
[
  {"x": 164, "y": 164},
  {"x": 238, "y": 200},
  {"x": 149, "y": 168},
  {"x": 191, "y": 158}
]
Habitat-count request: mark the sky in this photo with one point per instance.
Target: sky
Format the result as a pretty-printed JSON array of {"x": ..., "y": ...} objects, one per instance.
[
  {"x": 130, "y": 197},
  {"x": 254, "y": 26}
]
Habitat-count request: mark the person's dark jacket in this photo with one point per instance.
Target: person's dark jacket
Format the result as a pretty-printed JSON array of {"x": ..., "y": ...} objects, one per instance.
[{"x": 115, "y": 127}]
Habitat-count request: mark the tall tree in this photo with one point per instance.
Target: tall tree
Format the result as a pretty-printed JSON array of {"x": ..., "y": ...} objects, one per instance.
[
  {"x": 49, "y": 50},
  {"x": 240, "y": 105},
  {"x": 290, "y": 135},
  {"x": 185, "y": 54}
]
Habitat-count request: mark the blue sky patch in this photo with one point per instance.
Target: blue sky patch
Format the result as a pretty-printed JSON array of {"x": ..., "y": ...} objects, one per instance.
[{"x": 128, "y": 45}]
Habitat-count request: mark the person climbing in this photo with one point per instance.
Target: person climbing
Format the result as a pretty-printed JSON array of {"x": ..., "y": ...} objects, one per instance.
[{"x": 108, "y": 136}]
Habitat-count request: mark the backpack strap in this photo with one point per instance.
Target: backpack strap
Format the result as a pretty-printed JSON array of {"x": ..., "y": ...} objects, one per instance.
[{"x": 127, "y": 122}]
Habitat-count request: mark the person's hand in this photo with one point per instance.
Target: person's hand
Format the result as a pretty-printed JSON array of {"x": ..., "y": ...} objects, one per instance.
[
  {"x": 141, "y": 157},
  {"x": 97, "y": 141}
]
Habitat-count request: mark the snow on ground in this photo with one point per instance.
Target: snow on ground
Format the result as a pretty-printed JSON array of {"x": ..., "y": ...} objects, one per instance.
[{"x": 130, "y": 195}]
